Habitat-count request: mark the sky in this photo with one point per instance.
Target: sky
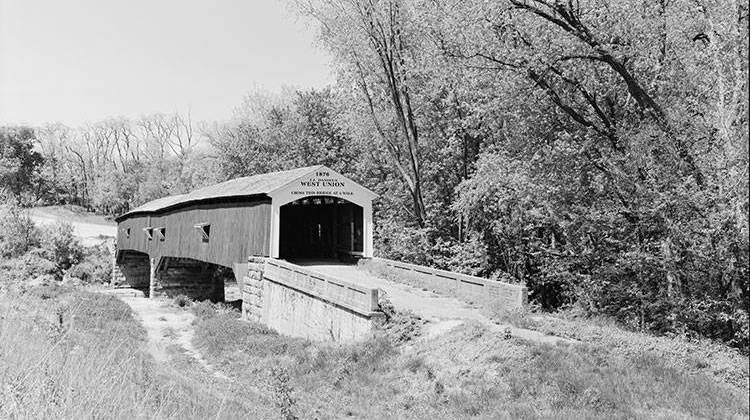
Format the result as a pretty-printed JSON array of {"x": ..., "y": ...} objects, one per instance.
[{"x": 78, "y": 61}]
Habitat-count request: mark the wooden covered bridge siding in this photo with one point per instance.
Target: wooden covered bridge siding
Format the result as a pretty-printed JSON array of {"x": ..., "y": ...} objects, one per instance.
[{"x": 237, "y": 229}]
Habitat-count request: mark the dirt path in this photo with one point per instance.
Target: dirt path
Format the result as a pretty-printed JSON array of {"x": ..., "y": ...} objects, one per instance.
[
  {"x": 441, "y": 312},
  {"x": 166, "y": 327},
  {"x": 90, "y": 229}
]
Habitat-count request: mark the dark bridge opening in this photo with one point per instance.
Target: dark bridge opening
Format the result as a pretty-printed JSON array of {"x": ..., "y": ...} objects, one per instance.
[
  {"x": 320, "y": 227},
  {"x": 195, "y": 279},
  {"x": 132, "y": 269}
]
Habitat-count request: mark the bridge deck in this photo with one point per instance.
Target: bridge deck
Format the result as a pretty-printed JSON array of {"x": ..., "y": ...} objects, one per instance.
[
  {"x": 442, "y": 312},
  {"x": 426, "y": 304}
]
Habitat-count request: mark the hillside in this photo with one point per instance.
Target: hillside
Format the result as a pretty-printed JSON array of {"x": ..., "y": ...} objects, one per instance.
[
  {"x": 90, "y": 228},
  {"x": 86, "y": 354}
]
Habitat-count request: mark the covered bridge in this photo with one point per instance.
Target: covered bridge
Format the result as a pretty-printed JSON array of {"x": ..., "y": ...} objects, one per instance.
[{"x": 186, "y": 244}]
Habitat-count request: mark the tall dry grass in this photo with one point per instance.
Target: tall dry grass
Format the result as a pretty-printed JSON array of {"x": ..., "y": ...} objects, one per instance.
[
  {"x": 75, "y": 355},
  {"x": 71, "y": 354},
  {"x": 470, "y": 372},
  {"x": 690, "y": 355}
]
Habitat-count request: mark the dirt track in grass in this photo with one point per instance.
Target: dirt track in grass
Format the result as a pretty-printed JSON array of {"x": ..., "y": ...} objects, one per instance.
[{"x": 168, "y": 328}]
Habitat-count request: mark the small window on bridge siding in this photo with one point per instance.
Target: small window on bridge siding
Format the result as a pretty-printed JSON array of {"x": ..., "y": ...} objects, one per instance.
[
  {"x": 149, "y": 232},
  {"x": 127, "y": 233},
  {"x": 162, "y": 232},
  {"x": 205, "y": 230}
]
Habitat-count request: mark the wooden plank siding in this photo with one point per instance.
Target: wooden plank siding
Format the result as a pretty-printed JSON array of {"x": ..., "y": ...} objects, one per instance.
[{"x": 238, "y": 229}]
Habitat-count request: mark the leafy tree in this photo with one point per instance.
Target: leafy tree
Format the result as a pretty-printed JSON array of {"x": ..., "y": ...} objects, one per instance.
[
  {"x": 18, "y": 160},
  {"x": 18, "y": 234},
  {"x": 372, "y": 40},
  {"x": 291, "y": 130},
  {"x": 610, "y": 195}
]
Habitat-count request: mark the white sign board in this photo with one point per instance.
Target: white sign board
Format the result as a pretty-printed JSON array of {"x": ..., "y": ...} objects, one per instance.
[
  {"x": 327, "y": 183},
  {"x": 322, "y": 182}
]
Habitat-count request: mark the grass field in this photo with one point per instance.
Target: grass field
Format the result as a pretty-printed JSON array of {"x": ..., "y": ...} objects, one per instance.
[
  {"x": 689, "y": 355},
  {"x": 468, "y": 373},
  {"x": 67, "y": 353}
]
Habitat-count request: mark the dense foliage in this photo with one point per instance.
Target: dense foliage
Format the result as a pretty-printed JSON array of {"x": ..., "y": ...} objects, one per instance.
[
  {"x": 49, "y": 253},
  {"x": 595, "y": 150},
  {"x": 18, "y": 160}
]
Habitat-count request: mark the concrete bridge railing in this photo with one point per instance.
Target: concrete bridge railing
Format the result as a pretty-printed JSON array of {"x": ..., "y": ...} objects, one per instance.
[
  {"x": 337, "y": 292},
  {"x": 505, "y": 294},
  {"x": 299, "y": 302}
]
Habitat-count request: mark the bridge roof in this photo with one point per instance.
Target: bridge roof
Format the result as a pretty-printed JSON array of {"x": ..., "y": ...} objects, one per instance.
[{"x": 238, "y": 187}]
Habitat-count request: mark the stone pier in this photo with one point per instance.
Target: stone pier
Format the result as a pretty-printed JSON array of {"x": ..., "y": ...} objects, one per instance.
[
  {"x": 252, "y": 290},
  {"x": 170, "y": 277}
]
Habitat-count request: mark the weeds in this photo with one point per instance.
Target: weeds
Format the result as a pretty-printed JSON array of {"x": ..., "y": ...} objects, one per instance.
[
  {"x": 169, "y": 332},
  {"x": 282, "y": 393},
  {"x": 454, "y": 376},
  {"x": 207, "y": 309},
  {"x": 587, "y": 380},
  {"x": 517, "y": 317},
  {"x": 82, "y": 357},
  {"x": 182, "y": 301},
  {"x": 690, "y": 356},
  {"x": 399, "y": 326},
  {"x": 79, "y": 355}
]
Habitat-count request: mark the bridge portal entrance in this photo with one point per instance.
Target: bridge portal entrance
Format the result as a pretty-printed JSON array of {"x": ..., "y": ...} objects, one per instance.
[{"x": 321, "y": 227}]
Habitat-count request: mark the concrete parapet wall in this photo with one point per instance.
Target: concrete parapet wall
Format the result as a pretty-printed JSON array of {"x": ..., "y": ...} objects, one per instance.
[
  {"x": 356, "y": 298},
  {"x": 506, "y": 294},
  {"x": 303, "y": 303},
  {"x": 298, "y": 314}
]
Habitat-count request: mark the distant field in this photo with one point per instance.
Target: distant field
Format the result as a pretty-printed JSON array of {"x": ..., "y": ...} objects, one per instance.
[{"x": 90, "y": 228}]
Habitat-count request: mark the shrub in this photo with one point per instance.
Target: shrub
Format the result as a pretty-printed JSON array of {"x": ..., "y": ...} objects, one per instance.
[
  {"x": 34, "y": 264},
  {"x": 399, "y": 326},
  {"x": 203, "y": 310},
  {"x": 95, "y": 267},
  {"x": 60, "y": 246},
  {"x": 404, "y": 243},
  {"x": 18, "y": 234},
  {"x": 182, "y": 301},
  {"x": 30, "y": 266}
]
